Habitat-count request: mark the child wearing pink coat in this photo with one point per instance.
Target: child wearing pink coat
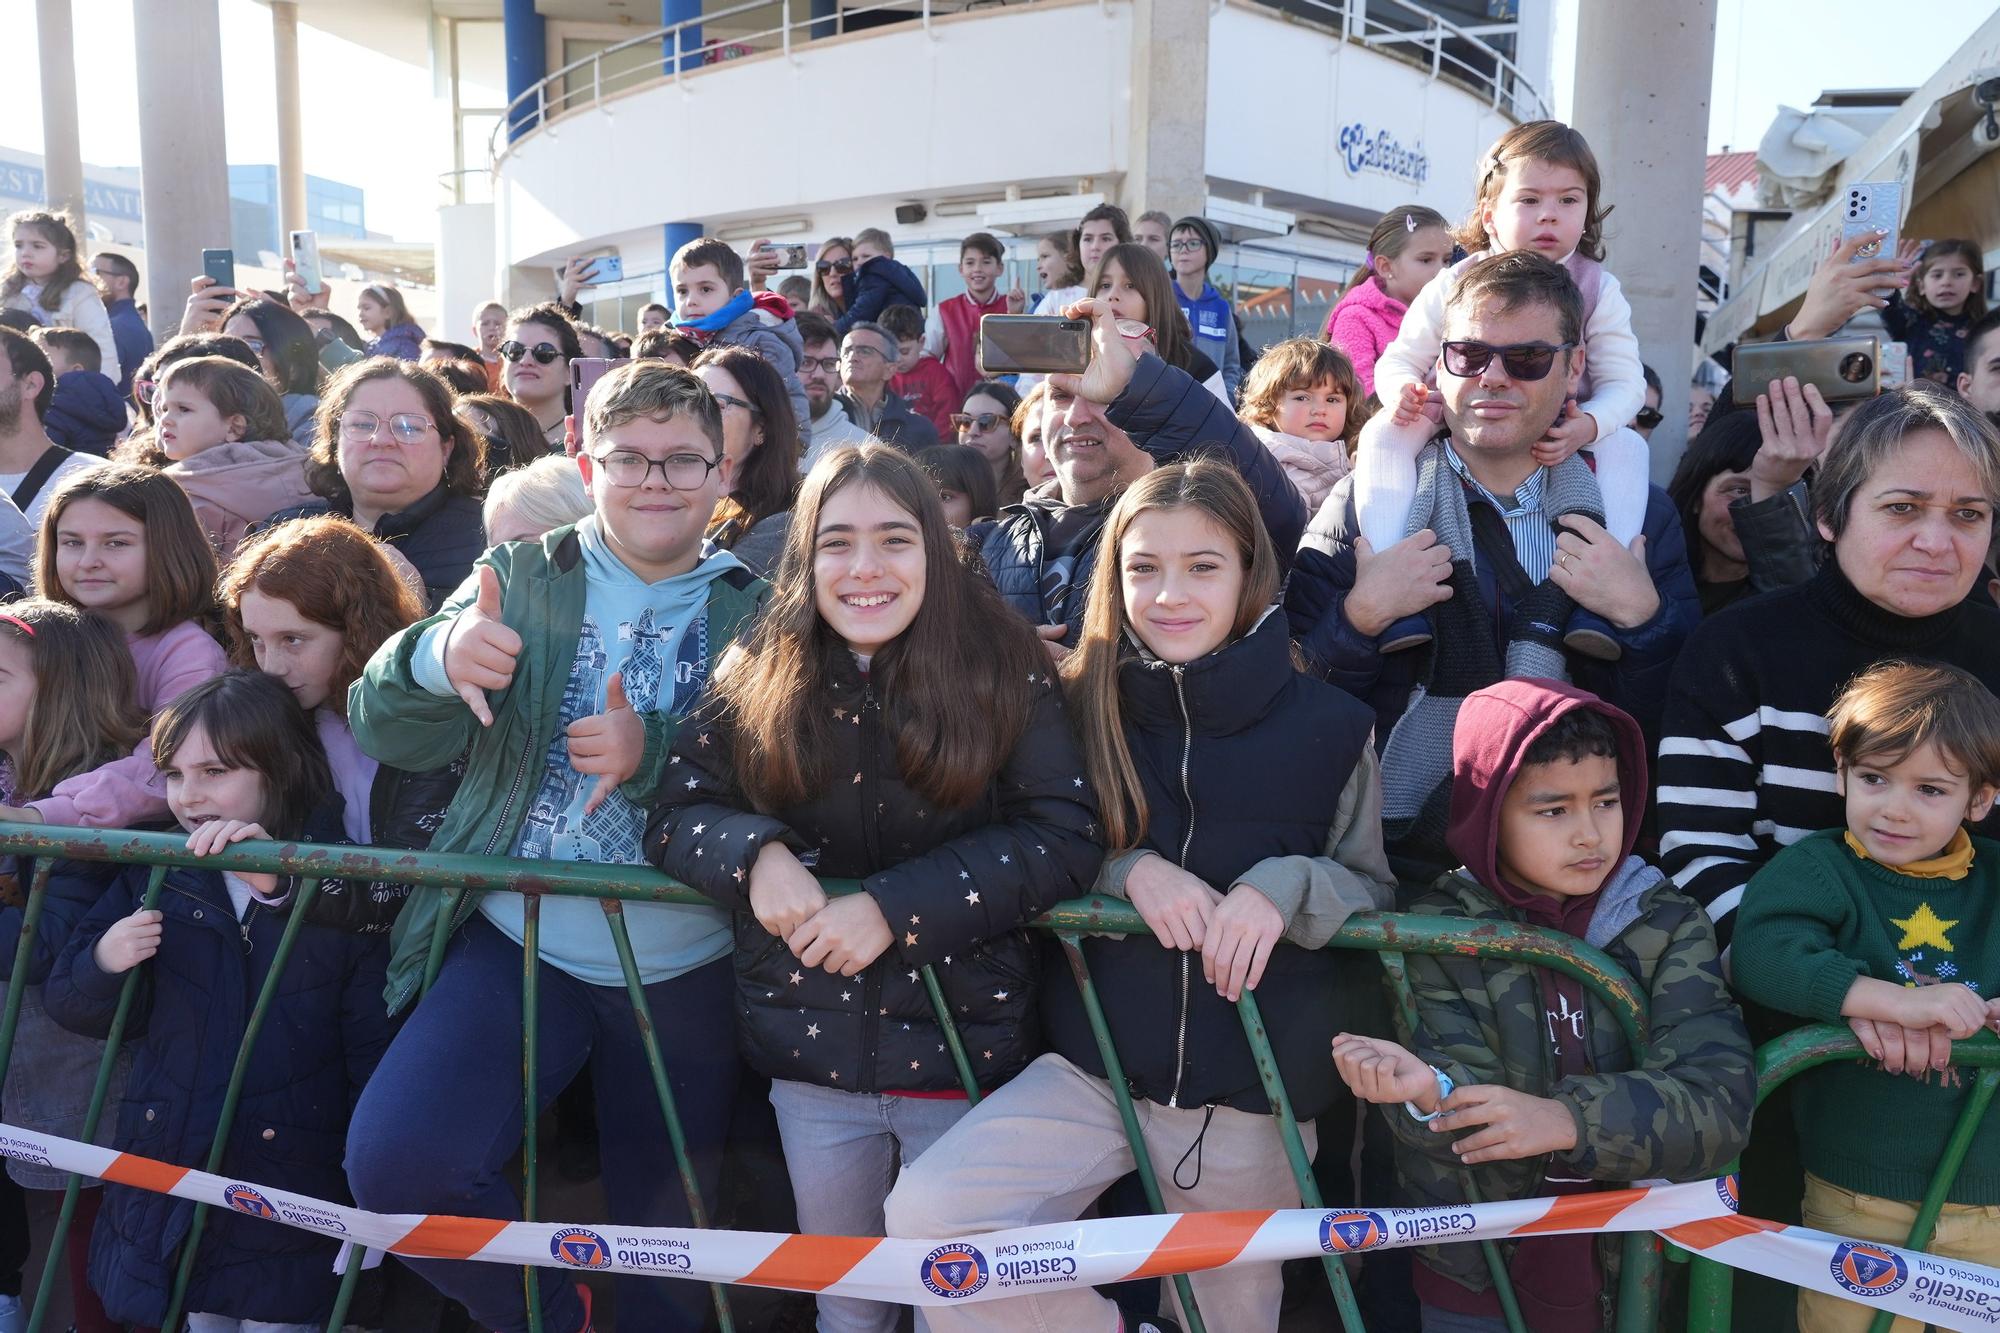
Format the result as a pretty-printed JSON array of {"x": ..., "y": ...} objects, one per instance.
[{"x": 1405, "y": 251}]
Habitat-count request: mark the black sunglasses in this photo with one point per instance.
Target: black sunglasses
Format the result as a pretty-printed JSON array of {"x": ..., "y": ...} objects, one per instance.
[
  {"x": 1648, "y": 418},
  {"x": 542, "y": 352},
  {"x": 842, "y": 265},
  {"x": 1523, "y": 361}
]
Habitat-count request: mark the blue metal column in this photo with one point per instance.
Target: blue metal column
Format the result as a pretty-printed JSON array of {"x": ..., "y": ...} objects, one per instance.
[
  {"x": 825, "y": 15},
  {"x": 677, "y": 234},
  {"x": 527, "y": 39},
  {"x": 689, "y": 45}
]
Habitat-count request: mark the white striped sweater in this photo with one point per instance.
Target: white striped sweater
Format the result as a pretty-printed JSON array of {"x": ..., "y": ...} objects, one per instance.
[{"x": 1745, "y": 768}]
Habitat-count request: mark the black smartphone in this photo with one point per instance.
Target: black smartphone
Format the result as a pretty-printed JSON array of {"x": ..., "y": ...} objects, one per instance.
[
  {"x": 221, "y": 266},
  {"x": 1033, "y": 344},
  {"x": 1845, "y": 369}
]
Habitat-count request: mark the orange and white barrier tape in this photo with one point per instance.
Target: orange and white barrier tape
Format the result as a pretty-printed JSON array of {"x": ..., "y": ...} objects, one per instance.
[
  {"x": 1944, "y": 1293},
  {"x": 1700, "y": 1215}
]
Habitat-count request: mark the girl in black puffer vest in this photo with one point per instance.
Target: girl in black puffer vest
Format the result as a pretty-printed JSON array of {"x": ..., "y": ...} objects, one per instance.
[
  {"x": 1242, "y": 799},
  {"x": 887, "y": 720}
]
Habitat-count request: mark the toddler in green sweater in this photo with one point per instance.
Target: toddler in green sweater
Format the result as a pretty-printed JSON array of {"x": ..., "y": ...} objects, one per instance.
[{"x": 1891, "y": 925}]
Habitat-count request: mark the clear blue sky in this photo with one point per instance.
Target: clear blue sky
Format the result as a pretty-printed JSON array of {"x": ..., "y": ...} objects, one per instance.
[{"x": 1768, "y": 52}]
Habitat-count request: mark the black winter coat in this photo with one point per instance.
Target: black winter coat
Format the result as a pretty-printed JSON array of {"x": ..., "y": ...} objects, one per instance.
[
  {"x": 954, "y": 885},
  {"x": 321, "y": 1040},
  {"x": 1241, "y": 757},
  {"x": 1172, "y": 417},
  {"x": 441, "y": 535}
]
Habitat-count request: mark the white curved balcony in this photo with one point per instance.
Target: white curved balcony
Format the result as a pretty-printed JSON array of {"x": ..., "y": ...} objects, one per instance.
[{"x": 982, "y": 105}]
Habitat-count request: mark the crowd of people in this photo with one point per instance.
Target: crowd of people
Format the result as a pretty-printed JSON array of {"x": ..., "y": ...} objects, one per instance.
[{"x": 1252, "y": 639}]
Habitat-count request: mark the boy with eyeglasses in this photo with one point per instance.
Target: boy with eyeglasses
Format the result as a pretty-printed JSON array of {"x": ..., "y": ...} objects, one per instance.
[
  {"x": 714, "y": 307},
  {"x": 561, "y": 671},
  {"x": 1192, "y": 248}
]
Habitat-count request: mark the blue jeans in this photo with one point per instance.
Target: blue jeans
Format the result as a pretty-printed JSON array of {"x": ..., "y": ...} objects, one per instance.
[
  {"x": 844, "y": 1151},
  {"x": 436, "y": 1125}
]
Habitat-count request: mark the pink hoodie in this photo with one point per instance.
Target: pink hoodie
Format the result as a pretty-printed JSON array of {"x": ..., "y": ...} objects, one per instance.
[
  {"x": 129, "y": 791},
  {"x": 1363, "y": 325},
  {"x": 241, "y": 483}
]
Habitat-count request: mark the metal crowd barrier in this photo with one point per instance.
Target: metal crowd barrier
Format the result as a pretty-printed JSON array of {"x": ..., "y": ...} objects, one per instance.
[
  {"x": 1390, "y": 935},
  {"x": 1711, "y": 1284}
]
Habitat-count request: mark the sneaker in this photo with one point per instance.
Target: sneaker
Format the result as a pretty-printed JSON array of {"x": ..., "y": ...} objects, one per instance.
[
  {"x": 1152, "y": 1323},
  {"x": 1590, "y": 634},
  {"x": 1409, "y": 632}
]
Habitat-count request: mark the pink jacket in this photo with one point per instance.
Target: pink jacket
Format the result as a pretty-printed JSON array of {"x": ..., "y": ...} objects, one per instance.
[
  {"x": 129, "y": 791},
  {"x": 235, "y": 485},
  {"x": 1363, "y": 325},
  {"x": 1311, "y": 465}
]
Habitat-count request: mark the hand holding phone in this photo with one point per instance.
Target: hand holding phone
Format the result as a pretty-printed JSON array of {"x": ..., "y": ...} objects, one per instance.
[
  {"x": 1842, "y": 369},
  {"x": 1033, "y": 344},
  {"x": 305, "y": 258},
  {"x": 220, "y": 267},
  {"x": 1873, "y": 209}
]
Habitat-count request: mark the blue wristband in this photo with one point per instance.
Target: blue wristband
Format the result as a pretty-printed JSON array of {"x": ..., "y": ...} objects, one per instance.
[{"x": 1445, "y": 1086}]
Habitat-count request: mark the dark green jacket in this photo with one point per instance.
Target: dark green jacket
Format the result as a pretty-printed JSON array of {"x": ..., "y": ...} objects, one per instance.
[
  {"x": 399, "y": 722},
  {"x": 1683, "y": 1114}
]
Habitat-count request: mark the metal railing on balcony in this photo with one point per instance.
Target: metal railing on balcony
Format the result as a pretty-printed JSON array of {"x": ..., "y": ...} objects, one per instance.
[{"x": 1417, "y": 35}]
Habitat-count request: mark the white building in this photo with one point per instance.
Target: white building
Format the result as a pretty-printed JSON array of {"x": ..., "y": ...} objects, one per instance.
[{"x": 1292, "y": 125}]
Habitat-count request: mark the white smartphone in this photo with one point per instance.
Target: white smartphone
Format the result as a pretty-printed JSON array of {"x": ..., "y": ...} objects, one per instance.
[
  {"x": 1874, "y": 208},
  {"x": 305, "y": 257}
]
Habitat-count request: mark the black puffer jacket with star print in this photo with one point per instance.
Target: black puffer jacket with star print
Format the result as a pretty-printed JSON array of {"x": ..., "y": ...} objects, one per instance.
[{"x": 954, "y": 885}]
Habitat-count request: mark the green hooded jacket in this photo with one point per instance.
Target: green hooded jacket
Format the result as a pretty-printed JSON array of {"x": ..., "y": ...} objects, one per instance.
[{"x": 400, "y": 723}]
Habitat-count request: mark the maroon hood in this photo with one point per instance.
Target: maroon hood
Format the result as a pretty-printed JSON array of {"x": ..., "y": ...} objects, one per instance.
[{"x": 1496, "y": 726}]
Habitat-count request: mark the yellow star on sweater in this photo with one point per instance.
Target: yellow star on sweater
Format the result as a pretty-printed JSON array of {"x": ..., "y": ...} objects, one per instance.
[{"x": 1924, "y": 927}]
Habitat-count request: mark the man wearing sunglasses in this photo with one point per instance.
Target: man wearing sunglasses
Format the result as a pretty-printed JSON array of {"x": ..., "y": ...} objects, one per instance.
[{"x": 1493, "y": 561}]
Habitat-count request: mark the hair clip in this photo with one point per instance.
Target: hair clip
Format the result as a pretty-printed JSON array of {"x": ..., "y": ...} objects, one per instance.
[{"x": 1409, "y": 223}]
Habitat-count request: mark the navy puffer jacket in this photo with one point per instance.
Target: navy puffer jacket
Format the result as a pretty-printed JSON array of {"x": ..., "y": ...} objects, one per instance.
[{"x": 320, "y": 1042}]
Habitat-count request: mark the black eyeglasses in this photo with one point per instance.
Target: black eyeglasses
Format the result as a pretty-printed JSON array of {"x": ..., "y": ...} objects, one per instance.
[
  {"x": 1648, "y": 418},
  {"x": 626, "y": 468},
  {"x": 542, "y": 352},
  {"x": 828, "y": 364},
  {"x": 837, "y": 265},
  {"x": 1523, "y": 361},
  {"x": 731, "y": 400}
]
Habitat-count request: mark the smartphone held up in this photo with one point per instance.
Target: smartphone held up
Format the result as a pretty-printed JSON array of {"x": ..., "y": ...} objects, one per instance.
[{"x": 1033, "y": 344}]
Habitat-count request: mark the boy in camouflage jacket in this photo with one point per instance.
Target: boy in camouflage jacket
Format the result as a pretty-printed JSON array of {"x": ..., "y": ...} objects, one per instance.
[{"x": 1517, "y": 1071}]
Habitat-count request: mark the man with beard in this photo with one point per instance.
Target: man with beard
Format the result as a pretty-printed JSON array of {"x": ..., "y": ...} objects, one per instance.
[
  {"x": 1980, "y": 380},
  {"x": 1116, "y": 421},
  {"x": 819, "y": 373},
  {"x": 1490, "y": 558},
  {"x": 32, "y": 465}
]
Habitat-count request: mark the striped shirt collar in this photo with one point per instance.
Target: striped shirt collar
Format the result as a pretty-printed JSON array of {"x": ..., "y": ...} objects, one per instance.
[{"x": 1527, "y": 496}]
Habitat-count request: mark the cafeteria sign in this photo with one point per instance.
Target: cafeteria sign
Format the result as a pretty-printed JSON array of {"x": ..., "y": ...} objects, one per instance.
[{"x": 1382, "y": 153}]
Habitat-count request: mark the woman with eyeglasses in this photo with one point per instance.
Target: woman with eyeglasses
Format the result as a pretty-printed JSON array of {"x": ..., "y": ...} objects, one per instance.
[
  {"x": 287, "y": 355},
  {"x": 986, "y": 422},
  {"x": 392, "y": 457},
  {"x": 535, "y": 358},
  {"x": 833, "y": 277},
  {"x": 386, "y": 320},
  {"x": 760, "y": 456}
]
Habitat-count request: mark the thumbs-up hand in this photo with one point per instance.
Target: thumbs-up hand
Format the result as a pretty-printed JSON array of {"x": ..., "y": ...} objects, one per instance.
[
  {"x": 608, "y": 745},
  {"x": 479, "y": 649}
]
